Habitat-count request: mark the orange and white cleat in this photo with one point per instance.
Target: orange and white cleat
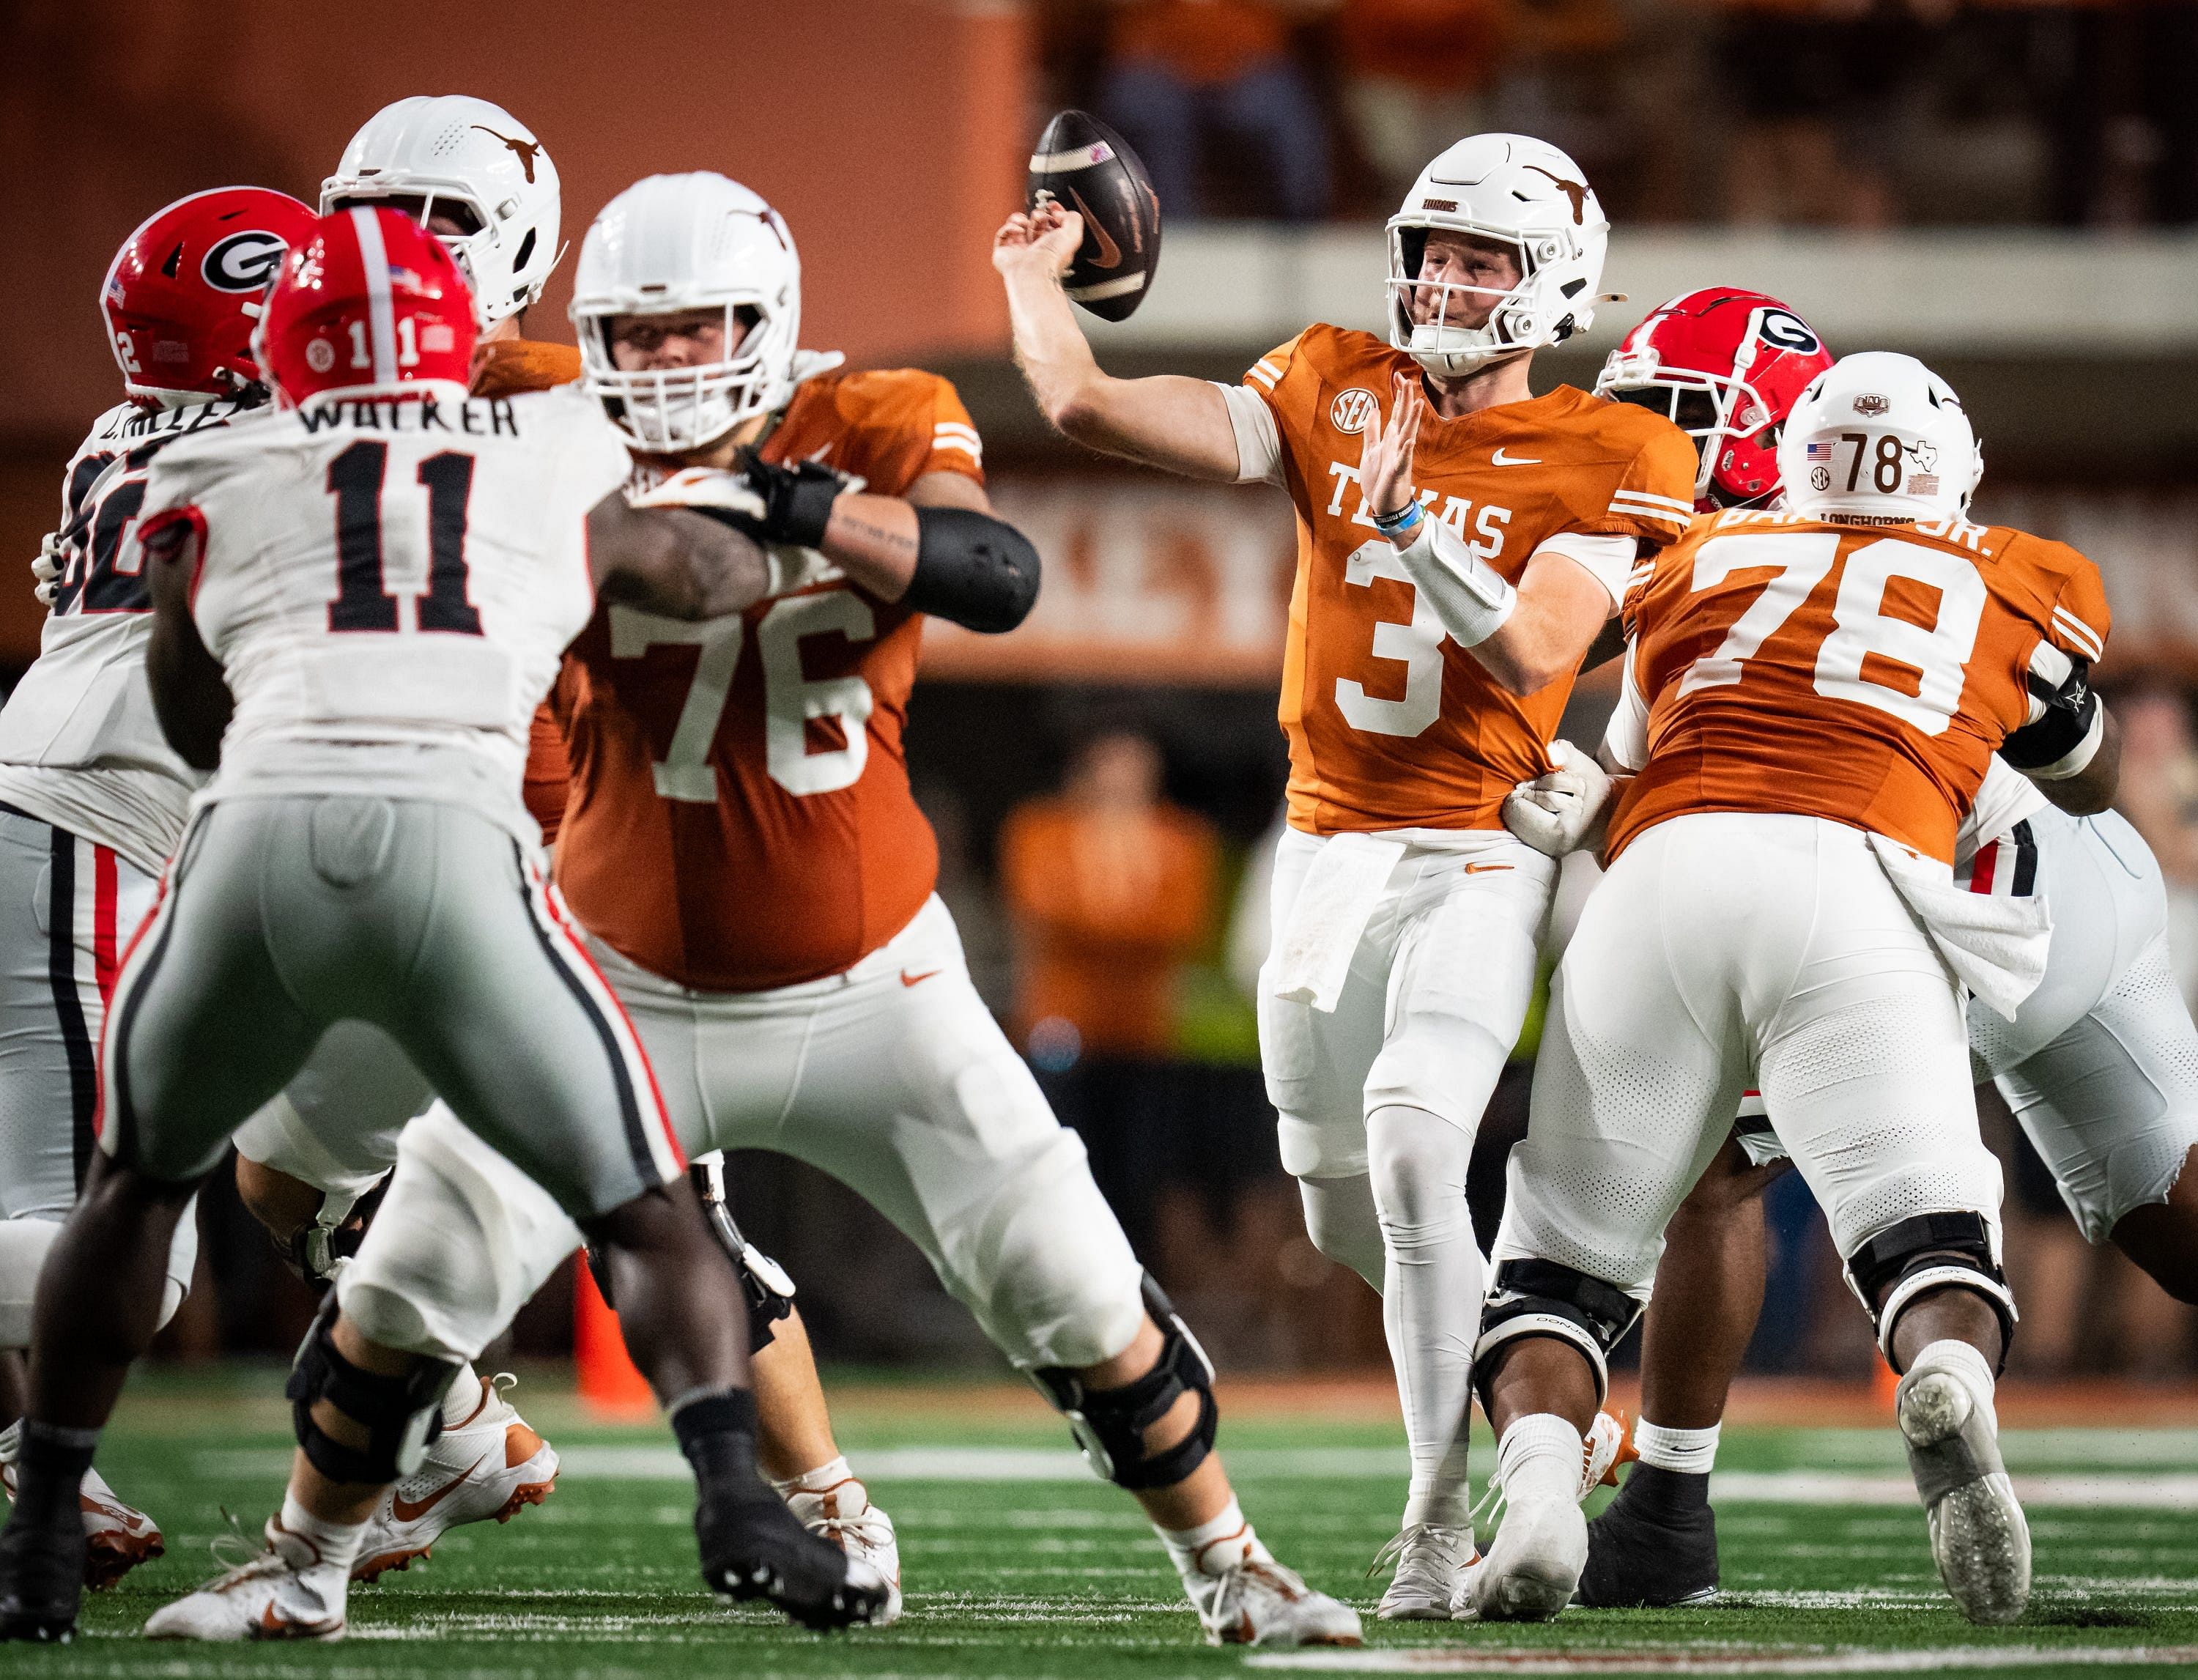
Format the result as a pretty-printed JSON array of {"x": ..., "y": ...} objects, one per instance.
[
  {"x": 1608, "y": 1445},
  {"x": 286, "y": 1592},
  {"x": 840, "y": 1511},
  {"x": 119, "y": 1537},
  {"x": 491, "y": 1465}
]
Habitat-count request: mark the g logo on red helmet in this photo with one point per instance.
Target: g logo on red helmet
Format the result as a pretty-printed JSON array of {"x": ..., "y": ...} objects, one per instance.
[
  {"x": 244, "y": 262},
  {"x": 1788, "y": 332}
]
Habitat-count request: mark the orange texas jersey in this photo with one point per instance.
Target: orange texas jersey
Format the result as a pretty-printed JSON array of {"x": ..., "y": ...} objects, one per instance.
[
  {"x": 740, "y": 816},
  {"x": 1866, "y": 674},
  {"x": 1391, "y": 725}
]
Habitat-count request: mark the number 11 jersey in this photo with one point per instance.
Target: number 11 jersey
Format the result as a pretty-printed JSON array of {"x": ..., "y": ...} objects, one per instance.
[{"x": 388, "y": 584}]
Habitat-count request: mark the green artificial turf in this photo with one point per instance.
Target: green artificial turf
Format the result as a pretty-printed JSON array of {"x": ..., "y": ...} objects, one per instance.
[{"x": 1060, "y": 1576}]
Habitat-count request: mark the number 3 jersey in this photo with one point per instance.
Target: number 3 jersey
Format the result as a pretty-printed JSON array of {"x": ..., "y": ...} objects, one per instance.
[
  {"x": 79, "y": 744},
  {"x": 388, "y": 585},
  {"x": 739, "y": 815},
  {"x": 1864, "y": 674},
  {"x": 1391, "y": 725}
]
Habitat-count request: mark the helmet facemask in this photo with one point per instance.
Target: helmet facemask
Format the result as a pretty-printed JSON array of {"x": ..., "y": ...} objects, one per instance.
[
  {"x": 1713, "y": 409},
  {"x": 671, "y": 410}
]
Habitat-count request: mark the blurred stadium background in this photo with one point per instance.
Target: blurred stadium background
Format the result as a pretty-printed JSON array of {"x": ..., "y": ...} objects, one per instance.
[{"x": 2009, "y": 190}]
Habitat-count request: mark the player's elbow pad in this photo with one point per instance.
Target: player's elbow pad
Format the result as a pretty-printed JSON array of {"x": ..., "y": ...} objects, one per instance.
[
  {"x": 2064, "y": 736},
  {"x": 979, "y": 572}
]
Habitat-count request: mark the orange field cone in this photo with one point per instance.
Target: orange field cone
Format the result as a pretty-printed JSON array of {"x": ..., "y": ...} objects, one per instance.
[{"x": 609, "y": 1381}]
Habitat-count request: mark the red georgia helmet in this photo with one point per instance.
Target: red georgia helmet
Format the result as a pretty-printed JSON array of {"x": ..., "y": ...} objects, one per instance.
[
  {"x": 182, "y": 294},
  {"x": 1726, "y": 366},
  {"x": 368, "y": 299}
]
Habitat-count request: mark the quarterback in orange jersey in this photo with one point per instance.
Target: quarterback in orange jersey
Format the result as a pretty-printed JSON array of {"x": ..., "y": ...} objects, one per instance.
[
  {"x": 1461, "y": 544},
  {"x": 756, "y": 881},
  {"x": 452, "y": 160},
  {"x": 1813, "y": 697}
]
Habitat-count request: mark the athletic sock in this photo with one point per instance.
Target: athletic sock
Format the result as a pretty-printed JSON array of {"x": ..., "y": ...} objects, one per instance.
[
  {"x": 1213, "y": 1548},
  {"x": 1431, "y": 1296},
  {"x": 815, "y": 1482},
  {"x": 716, "y": 1429},
  {"x": 1673, "y": 1480},
  {"x": 1539, "y": 1458},
  {"x": 50, "y": 1467},
  {"x": 335, "y": 1544},
  {"x": 462, "y": 1398}
]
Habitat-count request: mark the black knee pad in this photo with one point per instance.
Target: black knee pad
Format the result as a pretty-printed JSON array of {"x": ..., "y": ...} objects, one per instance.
[
  {"x": 1109, "y": 1424},
  {"x": 769, "y": 1290},
  {"x": 1541, "y": 1298},
  {"x": 401, "y": 1415},
  {"x": 1930, "y": 1251}
]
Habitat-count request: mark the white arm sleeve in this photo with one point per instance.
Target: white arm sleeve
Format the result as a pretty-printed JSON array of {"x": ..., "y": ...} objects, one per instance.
[
  {"x": 1610, "y": 558},
  {"x": 1625, "y": 742},
  {"x": 1258, "y": 445}
]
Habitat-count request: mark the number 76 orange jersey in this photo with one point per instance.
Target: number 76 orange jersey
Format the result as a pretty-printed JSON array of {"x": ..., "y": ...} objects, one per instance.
[{"x": 1864, "y": 674}]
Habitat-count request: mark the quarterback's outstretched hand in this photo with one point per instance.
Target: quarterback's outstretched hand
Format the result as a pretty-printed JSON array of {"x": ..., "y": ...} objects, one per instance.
[
  {"x": 1385, "y": 454},
  {"x": 1567, "y": 810},
  {"x": 1043, "y": 241}
]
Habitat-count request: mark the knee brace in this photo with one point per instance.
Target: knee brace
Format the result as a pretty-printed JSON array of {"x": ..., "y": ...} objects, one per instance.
[
  {"x": 401, "y": 1415},
  {"x": 1930, "y": 1251},
  {"x": 1109, "y": 1424},
  {"x": 769, "y": 1290},
  {"x": 1541, "y": 1298}
]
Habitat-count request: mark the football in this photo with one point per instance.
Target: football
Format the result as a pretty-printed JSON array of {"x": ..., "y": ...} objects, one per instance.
[{"x": 1085, "y": 166}]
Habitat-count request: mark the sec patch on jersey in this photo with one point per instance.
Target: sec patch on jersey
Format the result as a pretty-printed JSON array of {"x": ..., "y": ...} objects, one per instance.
[{"x": 1085, "y": 166}]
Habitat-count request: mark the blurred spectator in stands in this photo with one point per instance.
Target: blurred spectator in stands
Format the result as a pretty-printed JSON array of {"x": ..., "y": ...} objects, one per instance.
[
  {"x": 1818, "y": 86},
  {"x": 2160, "y": 796},
  {"x": 1419, "y": 77},
  {"x": 1112, "y": 890},
  {"x": 1181, "y": 70}
]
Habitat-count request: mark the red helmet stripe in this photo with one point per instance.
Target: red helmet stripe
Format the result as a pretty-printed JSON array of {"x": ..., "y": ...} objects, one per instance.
[{"x": 381, "y": 319}]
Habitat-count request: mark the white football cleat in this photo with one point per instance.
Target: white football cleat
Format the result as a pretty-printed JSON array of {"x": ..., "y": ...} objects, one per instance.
[
  {"x": 1244, "y": 1597},
  {"x": 842, "y": 1514},
  {"x": 119, "y": 1536},
  {"x": 491, "y": 1465},
  {"x": 1530, "y": 1568},
  {"x": 1431, "y": 1560},
  {"x": 1979, "y": 1538},
  {"x": 284, "y": 1593}
]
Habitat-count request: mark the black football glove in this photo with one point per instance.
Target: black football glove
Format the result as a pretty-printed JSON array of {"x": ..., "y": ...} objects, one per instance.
[{"x": 797, "y": 499}]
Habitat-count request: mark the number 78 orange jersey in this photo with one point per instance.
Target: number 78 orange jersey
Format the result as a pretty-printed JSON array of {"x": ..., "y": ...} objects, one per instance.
[{"x": 1865, "y": 674}]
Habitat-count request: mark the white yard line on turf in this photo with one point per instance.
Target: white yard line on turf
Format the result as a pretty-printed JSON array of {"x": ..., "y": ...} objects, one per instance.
[
  {"x": 1723, "y": 1659},
  {"x": 594, "y": 1462}
]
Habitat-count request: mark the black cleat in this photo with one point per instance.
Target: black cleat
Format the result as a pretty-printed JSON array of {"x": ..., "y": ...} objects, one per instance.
[
  {"x": 758, "y": 1549},
  {"x": 41, "y": 1579},
  {"x": 1655, "y": 1545}
]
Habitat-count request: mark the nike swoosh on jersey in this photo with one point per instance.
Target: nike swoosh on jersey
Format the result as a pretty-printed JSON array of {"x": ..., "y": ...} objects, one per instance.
[
  {"x": 907, "y": 978},
  {"x": 1500, "y": 459},
  {"x": 406, "y": 1511}
]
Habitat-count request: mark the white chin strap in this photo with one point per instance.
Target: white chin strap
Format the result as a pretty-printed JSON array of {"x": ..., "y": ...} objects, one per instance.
[{"x": 1450, "y": 352}]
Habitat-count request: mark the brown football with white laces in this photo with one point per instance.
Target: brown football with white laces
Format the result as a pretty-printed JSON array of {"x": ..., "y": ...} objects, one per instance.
[{"x": 1082, "y": 164}]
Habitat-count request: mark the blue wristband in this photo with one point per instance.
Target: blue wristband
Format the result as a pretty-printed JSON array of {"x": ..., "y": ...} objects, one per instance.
[{"x": 1396, "y": 524}]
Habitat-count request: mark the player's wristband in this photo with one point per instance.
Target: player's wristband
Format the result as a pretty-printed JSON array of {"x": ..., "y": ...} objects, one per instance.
[
  {"x": 1400, "y": 522},
  {"x": 1471, "y": 599}
]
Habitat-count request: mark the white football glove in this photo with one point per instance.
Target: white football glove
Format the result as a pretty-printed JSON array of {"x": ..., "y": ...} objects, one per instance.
[
  {"x": 1564, "y": 810},
  {"x": 47, "y": 569}
]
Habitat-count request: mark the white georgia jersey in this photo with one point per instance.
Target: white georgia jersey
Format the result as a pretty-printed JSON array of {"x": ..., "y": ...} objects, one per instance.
[
  {"x": 79, "y": 744},
  {"x": 388, "y": 585}
]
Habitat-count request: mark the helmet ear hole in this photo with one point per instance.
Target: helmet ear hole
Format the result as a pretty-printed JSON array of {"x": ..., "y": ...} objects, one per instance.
[{"x": 525, "y": 250}]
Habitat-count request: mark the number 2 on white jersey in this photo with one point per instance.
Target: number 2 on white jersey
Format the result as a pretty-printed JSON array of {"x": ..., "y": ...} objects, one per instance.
[
  {"x": 686, "y": 772},
  {"x": 1861, "y": 627}
]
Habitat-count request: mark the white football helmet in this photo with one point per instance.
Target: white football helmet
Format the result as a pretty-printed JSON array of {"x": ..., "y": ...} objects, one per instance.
[
  {"x": 1879, "y": 437},
  {"x": 672, "y": 243},
  {"x": 1527, "y": 194},
  {"x": 476, "y": 163}
]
